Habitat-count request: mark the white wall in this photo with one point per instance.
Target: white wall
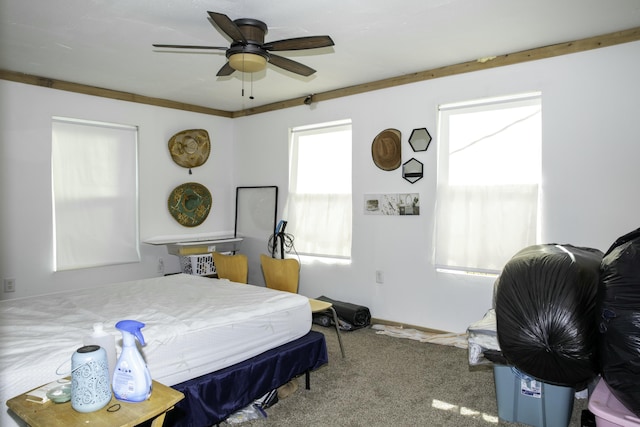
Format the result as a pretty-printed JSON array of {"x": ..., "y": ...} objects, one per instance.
[
  {"x": 591, "y": 178},
  {"x": 590, "y": 173},
  {"x": 25, "y": 186}
]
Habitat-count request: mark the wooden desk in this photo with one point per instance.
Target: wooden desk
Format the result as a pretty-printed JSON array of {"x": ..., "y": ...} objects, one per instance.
[{"x": 51, "y": 414}]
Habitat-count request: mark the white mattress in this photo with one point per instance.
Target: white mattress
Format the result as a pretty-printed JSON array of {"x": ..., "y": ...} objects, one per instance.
[{"x": 194, "y": 325}]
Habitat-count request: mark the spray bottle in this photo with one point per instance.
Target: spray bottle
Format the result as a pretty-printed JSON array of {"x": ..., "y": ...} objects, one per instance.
[{"x": 131, "y": 378}]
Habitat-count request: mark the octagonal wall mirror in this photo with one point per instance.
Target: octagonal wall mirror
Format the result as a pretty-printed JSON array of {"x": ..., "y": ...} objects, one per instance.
[
  {"x": 420, "y": 139},
  {"x": 412, "y": 170}
]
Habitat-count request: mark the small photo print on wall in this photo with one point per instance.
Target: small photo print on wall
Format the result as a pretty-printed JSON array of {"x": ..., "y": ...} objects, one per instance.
[{"x": 392, "y": 204}]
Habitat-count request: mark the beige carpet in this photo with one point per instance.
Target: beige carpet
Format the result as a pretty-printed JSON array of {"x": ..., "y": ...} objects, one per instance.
[{"x": 390, "y": 381}]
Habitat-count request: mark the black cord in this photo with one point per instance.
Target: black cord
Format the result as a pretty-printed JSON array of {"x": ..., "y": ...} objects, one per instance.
[
  {"x": 274, "y": 243},
  {"x": 287, "y": 245}
]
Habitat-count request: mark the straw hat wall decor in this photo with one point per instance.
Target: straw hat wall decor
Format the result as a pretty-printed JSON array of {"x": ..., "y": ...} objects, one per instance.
[
  {"x": 190, "y": 148},
  {"x": 386, "y": 149},
  {"x": 190, "y": 204}
]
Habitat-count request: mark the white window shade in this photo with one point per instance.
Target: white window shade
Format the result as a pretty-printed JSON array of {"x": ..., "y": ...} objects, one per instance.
[
  {"x": 319, "y": 204},
  {"x": 322, "y": 223},
  {"x": 489, "y": 171},
  {"x": 95, "y": 196},
  {"x": 480, "y": 228}
]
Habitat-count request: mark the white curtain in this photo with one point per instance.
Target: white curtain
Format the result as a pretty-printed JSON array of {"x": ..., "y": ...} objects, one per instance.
[
  {"x": 94, "y": 174},
  {"x": 319, "y": 202},
  {"x": 479, "y": 228},
  {"x": 320, "y": 223}
]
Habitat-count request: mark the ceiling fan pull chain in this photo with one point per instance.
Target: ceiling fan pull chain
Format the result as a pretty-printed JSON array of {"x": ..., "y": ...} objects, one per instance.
[
  {"x": 243, "y": 74},
  {"x": 251, "y": 96}
]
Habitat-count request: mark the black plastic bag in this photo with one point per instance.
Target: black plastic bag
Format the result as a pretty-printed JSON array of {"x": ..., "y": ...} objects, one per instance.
[
  {"x": 545, "y": 302},
  {"x": 325, "y": 320},
  {"x": 619, "y": 322},
  {"x": 358, "y": 316}
]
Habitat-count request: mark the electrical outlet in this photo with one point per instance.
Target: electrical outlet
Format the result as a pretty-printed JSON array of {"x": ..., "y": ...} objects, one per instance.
[
  {"x": 379, "y": 276},
  {"x": 10, "y": 285},
  {"x": 160, "y": 266}
]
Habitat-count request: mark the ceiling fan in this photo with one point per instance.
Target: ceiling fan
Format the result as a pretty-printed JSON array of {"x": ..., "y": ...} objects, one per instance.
[{"x": 249, "y": 52}]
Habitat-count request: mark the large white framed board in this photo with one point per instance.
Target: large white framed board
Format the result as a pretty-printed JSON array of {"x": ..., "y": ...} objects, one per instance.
[{"x": 256, "y": 213}]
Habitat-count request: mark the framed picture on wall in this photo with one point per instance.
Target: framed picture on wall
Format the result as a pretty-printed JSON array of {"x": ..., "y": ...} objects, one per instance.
[{"x": 392, "y": 204}]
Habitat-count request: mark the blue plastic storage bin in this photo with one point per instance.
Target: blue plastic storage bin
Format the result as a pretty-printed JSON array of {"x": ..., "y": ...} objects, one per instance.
[{"x": 523, "y": 399}]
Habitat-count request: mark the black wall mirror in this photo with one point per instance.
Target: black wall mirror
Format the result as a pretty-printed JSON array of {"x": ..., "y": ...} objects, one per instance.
[
  {"x": 420, "y": 139},
  {"x": 412, "y": 170}
]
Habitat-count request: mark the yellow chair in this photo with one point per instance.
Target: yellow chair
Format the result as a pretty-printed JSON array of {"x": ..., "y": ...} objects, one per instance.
[
  {"x": 284, "y": 275},
  {"x": 232, "y": 267},
  {"x": 280, "y": 274}
]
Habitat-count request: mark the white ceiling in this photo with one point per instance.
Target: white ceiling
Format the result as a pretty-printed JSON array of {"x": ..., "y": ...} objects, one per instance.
[{"x": 107, "y": 43}]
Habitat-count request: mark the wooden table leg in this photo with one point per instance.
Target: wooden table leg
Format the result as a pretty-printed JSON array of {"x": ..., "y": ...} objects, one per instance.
[{"x": 159, "y": 420}]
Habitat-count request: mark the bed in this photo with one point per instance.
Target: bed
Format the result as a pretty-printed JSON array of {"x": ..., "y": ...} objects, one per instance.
[{"x": 196, "y": 328}]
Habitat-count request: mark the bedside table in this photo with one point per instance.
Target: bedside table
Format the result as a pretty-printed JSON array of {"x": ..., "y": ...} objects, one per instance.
[{"x": 128, "y": 414}]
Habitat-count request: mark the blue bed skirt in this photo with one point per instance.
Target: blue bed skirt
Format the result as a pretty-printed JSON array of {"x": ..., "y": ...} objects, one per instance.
[{"x": 211, "y": 398}]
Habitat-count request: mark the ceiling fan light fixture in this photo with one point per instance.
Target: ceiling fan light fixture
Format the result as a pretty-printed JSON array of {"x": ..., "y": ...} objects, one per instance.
[
  {"x": 248, "y": 53},
  {"x": 247, "y": 62}
]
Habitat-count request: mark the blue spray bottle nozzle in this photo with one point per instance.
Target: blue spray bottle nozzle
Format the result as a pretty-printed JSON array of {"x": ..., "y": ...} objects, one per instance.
[{"x": 133, "y": 327}]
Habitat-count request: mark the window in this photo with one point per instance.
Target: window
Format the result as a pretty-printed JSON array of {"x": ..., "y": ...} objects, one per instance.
[
  {"x": 489, "y": 169},
  {"x": 95, "y": 196},
  {"x": 319, "y": 203}
]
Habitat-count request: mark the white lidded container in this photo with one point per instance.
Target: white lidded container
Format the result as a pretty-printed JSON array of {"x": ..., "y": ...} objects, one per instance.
[{"x": 105, "y": 340}]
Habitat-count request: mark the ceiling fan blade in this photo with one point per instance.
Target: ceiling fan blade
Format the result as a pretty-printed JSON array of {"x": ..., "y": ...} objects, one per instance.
[
  {"x": 289, "y": 65},
  {"x": 226, "y": 70},
  {"x": 228, "y": 26},
  {"x": 299, "y": 43},
  {"x": 181, "y": 46}
]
